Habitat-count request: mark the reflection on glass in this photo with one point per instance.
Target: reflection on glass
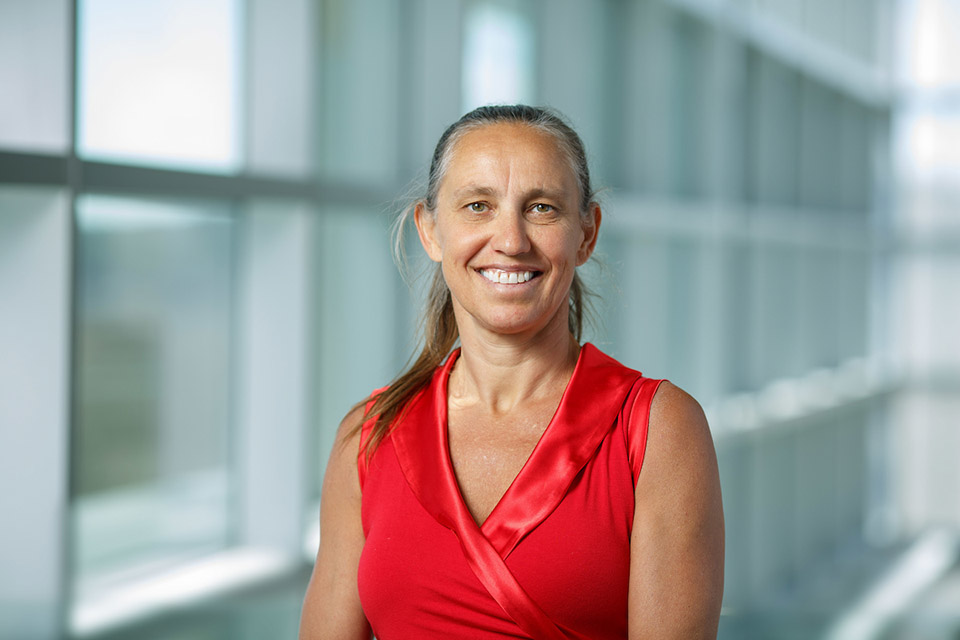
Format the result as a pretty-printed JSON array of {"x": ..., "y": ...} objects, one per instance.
[
  {"x": 931, "y": 147},
  {"x": 497, "y": 56},
  {"x": 930, "y": 44},
  {"x": 153, "y": 353},
  {"x": 158, "y": 82}
]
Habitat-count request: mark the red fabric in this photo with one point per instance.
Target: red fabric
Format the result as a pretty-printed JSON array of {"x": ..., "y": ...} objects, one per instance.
[
  {"x": 638, "y": 418},
  {"x": 552, "y": 558}
]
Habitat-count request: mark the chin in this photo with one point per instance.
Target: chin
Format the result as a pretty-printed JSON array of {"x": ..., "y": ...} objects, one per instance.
[
  {"x": 512, "y": 325},
  {"x": 510, "y": 319}
]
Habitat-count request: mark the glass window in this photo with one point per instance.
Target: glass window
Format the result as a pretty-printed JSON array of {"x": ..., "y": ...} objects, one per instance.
[
  {"x": 687, "y": 113},
  {"x": 497, "y": 56},
  {"x": 821, "y": 168},
  {"x": 774, "y": 309},
  {"x": 930, "y": 143},
  {"x": 820, "y": 294},
  {"x": 855, "y": 152},
  {"x": 154, "y": 328},
  {"x": 739, "y": 324},
  {"x": 159, "y": 82},
  {"x": 854, "y": 291},
  {"x": 359, "y": 123},
  {"x": 280, "y": 108},
  {"x": 34, "y": 64},
  {"x": 930, "y": 44},
  {"x": 775, "y": 138},
  {"x": 682, "y": 310},
  {"x": 931, "y": 315},
  {"x": 361, "y": 340},
  {"x": 641, "y": 263},
  {"x": 34, "y": 395}
]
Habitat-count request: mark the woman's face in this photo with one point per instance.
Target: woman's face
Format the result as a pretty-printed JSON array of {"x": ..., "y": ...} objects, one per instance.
[{"x": 508, "y": 231}]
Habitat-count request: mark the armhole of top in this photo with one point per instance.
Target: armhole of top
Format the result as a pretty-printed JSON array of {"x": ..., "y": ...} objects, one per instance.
[
  {"x": 638, "y": 423},
  {"x": 366, "y": 429}
]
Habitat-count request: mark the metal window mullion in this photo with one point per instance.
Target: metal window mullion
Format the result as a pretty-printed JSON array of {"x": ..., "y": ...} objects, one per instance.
[
  {"x": 34, "y": 413},
  {"x": 273, "y": 368},
  {"x": 85, "y": 176}
]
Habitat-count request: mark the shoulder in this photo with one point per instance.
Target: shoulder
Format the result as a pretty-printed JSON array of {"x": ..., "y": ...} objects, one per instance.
[
  {"x": 680, "y": 459},
  {"x": 349, "y": 430},
  {"x": 677, "y": 417},
  {"x": 342, "y": 474},
  {"x": 677, "y": 541}
]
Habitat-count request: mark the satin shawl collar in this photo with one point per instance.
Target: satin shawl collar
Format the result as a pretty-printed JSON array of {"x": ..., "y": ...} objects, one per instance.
[{"x": 587, "y": 411}]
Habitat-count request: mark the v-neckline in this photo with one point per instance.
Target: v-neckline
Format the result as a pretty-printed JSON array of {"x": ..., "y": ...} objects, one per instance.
[
  {"x": 586, "y": 412},
  {"x": 443, "y": 422}
]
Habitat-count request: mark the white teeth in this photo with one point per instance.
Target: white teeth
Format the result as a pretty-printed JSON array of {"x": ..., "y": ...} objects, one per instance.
[{"x": 506, "y": 277}]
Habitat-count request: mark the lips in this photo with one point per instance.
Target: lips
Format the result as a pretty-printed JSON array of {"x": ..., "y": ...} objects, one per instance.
[{"x": 502, "y": 276}]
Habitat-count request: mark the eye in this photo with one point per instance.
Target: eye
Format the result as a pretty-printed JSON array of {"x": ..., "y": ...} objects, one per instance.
[
  {"x": 477, "y": 207},
  {"x": 542, "y": 208}
]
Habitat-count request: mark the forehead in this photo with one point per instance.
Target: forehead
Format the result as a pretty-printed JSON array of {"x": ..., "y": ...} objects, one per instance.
[{"x": 510, "y": 151}]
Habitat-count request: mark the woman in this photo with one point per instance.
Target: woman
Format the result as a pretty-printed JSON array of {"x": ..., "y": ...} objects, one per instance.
[{"x": 449, "y": 508}]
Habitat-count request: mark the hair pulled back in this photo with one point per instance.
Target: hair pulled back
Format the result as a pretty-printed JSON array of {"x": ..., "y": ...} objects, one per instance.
[{"x": 438, "y": 324}]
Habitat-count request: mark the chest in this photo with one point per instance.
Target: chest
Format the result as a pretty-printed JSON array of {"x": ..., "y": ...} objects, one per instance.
[
  {"x": 574, "y": 564},
  {"x": 488, "y": 452}
]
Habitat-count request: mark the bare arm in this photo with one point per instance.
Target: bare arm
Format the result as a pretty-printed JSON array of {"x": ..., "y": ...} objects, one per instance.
[
  {"x": 331, "y": 608},
  {"x": 676, "y": 549}
]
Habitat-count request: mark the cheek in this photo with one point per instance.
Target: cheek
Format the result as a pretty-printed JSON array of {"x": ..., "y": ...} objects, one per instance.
[
  {"x": 459, "y": 245},
  {"x": 564, "y": 247}
]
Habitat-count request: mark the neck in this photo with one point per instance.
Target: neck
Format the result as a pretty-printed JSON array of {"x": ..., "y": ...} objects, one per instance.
[{"x": 502, "y": 371}]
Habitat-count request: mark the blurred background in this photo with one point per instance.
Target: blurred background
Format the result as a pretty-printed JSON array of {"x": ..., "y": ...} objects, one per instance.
[{"x": 196, "y": 283}]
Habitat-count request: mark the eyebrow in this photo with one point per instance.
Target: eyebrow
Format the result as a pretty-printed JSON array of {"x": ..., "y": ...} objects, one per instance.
[
  {"x": 473, "y": 190},
  {"x": 479, "y": 190}
]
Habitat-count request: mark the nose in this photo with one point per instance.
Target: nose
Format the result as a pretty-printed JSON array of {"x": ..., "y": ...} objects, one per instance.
[{"x": 510, "y": 233}]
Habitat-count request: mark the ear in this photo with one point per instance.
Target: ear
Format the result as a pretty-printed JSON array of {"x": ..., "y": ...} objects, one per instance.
[
  {"x": 590, "y": 225},
  {"x": 426, "y": 229}
]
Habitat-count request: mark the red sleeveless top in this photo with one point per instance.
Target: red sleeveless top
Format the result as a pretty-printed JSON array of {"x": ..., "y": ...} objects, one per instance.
[{"x": 551, "y": 560}]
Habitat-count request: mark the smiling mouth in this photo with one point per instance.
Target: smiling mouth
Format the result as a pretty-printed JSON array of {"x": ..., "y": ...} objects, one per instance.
[{"x": 508, "y": 277}]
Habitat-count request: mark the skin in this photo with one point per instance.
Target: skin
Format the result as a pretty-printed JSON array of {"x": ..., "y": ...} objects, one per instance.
[{"x": 509, "y": 202}]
